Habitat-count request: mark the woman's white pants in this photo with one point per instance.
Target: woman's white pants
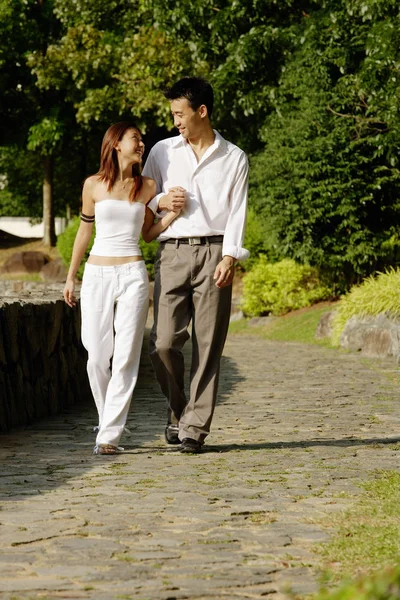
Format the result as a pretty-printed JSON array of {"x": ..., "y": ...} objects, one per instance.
[{"x": 114, "y": 305}]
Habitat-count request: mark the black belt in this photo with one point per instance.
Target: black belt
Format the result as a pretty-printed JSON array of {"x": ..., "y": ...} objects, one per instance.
[{"x": 195, "y": 241}]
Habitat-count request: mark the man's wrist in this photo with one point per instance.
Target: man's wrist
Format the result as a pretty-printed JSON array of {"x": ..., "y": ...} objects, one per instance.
[
  {"x": 229, "y": 260},
  {"x": 161, "y": 204}
]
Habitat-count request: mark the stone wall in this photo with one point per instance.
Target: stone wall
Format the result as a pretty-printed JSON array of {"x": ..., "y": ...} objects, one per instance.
[{"x": 42, "y": 361}]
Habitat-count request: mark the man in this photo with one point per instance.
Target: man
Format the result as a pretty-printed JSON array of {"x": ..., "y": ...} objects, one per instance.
[{"x": 205, "y": 178}]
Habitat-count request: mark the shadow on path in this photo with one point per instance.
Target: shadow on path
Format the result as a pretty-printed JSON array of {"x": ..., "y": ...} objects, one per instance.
[
  {"x": 341, "y": 443},
  {"x": 47, "y": 453},
  {"x": 296, "y": 432}
]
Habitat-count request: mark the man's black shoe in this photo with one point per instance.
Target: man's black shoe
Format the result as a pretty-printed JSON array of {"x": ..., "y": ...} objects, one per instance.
[
  {"x": 171, "y": 434},
  {"x": 190, "y": 446}
]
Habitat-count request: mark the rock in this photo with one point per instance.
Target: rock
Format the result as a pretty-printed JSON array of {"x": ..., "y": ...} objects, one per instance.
[
  {"x": 54, "y": 270},
  {"x": 25, "y": 262},
  {"x": 324, "y": 328},
  {"x": 378, "y": 343},
  {"x": 26, "y": 291},
  {"x": 236, "y": 316},
  {"x": 373, "y": 336}
]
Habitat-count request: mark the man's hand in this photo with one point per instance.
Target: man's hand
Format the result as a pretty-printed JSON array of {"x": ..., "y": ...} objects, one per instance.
[
  {"x": 174, "y": 200},
  {"x": 225, "y": 272}
]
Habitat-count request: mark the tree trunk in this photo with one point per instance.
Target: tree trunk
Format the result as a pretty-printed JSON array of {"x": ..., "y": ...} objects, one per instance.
[{"x": 49, "y": 235}]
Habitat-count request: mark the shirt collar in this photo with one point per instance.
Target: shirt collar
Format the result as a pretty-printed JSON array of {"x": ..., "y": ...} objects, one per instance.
[{"x": 219, "y": 140}]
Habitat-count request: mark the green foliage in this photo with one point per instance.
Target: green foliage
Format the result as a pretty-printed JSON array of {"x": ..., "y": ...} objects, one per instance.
[
  {"x": 245, "y": 45},
  {"x": 280, "y": 287},
  {"x": 367, "y": 538},
  {"x": 45, "y": 136},
  {"x": 149, "y": 255},
  {"x": 327, "y": 183},
  {"x": 380, "y": 586},
  {"x": 255, "y": 239},
  {"x": 311, "y": 86},
  {"x": 297, "y": 326},
  {"x": 20, "y": 196},
  {"x": 65, "y": 244},
  {"x": 113, "y": 63},
  {"x": 375, "y": 295},
  {"x": 31, "y": 118}
]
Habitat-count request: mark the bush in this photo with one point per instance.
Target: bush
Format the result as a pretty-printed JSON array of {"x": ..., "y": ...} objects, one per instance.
[
  {"x": 327, "y": 182},
  {"x": 381, "y": 586},
  {"x": 375, "y": 295},
  {"x": 149, "y": 255},
  {"x": 281, "y": 287},
  {"x": 255, "y": 239},
  {"x": 65, "y": 243}
]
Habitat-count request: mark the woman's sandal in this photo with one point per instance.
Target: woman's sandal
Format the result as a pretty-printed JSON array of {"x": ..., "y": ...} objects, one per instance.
[{"x": 106, "y": 449}]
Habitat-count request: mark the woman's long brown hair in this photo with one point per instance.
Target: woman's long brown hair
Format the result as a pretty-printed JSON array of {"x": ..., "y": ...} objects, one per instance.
[{"x": 108, "y": 171}]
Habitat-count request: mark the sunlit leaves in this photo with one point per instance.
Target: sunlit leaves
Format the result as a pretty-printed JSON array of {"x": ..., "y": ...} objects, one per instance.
[
  {"x": 45, "y": 136},
  {"x": 328, "y": 182}
]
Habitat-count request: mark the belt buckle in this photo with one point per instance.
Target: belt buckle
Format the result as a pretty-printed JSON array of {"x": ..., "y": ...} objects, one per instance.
[{"x": 194, "y": 241}]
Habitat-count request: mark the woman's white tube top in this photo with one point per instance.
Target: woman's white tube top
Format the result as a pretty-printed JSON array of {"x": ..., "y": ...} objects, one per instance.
[{"x": 118, "y": 226}]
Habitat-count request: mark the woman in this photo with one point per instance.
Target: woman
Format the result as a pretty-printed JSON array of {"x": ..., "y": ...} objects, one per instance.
[{"x": 115, "y": 288}]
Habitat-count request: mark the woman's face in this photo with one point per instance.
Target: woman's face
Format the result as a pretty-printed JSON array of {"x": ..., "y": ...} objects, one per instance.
[{"x": 131, "y": 146}]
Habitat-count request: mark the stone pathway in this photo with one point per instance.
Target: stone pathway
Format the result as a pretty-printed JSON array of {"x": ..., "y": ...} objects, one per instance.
[{"x": 296, "y": 427}]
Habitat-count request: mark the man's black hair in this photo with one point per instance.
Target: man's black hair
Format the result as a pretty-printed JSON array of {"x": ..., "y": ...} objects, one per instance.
[{"x": 195, "y": 89}]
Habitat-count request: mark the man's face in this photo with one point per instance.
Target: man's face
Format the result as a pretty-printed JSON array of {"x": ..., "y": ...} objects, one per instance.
[{"x": 187, "y": 120}]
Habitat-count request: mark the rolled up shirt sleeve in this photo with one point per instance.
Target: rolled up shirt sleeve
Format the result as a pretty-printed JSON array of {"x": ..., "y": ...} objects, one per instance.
[
  {"x": 151, "y": 169},
  {"x": 153, "y": 204},
  {"x": 236, "y": 224}
]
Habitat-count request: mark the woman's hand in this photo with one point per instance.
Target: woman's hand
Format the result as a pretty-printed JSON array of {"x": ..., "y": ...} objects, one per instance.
[
  {"x": 151, "y": 230},
  {"x": 175, "y": 213},
  {"x": 68, "y": 293}
]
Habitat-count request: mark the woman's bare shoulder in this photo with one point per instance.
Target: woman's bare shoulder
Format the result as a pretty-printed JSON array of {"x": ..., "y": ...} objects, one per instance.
[
  {"x": 91, "y": 181},
  {"x": 148, "y": 181}
]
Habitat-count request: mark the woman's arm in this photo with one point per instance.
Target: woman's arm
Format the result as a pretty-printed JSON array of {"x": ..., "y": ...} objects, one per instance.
[
  {"x": 81, "y": 243},
  {"x": 151, "y": 230}
]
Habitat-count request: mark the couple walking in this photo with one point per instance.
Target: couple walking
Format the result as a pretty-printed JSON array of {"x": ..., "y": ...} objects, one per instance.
[{"x": 195, "y": 185}]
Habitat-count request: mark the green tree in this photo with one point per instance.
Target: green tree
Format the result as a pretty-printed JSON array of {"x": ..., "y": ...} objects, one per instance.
[
  {"x": 245, "y": 45},
  {"x": 327, "y": 183},
  {"x": 110, "y": 65},
  {"x": 116, "y": 59},
  {"x": 31, "y": 119}
]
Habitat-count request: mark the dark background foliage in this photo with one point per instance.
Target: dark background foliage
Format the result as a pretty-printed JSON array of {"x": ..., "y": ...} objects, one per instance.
[{"x": 309, "y": 89}]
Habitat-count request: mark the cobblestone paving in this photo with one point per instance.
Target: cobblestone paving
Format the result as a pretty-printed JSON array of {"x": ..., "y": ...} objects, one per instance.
[{"x": 297, "y": 428}]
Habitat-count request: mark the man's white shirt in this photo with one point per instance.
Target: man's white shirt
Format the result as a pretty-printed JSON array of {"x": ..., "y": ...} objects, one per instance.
[{"x": 216, "y": 186}]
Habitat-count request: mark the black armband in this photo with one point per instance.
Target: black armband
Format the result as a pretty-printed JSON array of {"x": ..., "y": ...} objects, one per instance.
[{"x": 87, "y": 218}]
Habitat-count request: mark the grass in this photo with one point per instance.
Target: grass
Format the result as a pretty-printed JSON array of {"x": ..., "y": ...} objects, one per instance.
[
  {"x": 375, "y": 295},
  {"x": 367, "y": 538},
  {"x": 364, "y": 550},
  {"x": 21, "y": 277},
  {"x": 297, "y": 326},
  {"x": 380, "y": 586},
  {"x": 263, "y": 517}
]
